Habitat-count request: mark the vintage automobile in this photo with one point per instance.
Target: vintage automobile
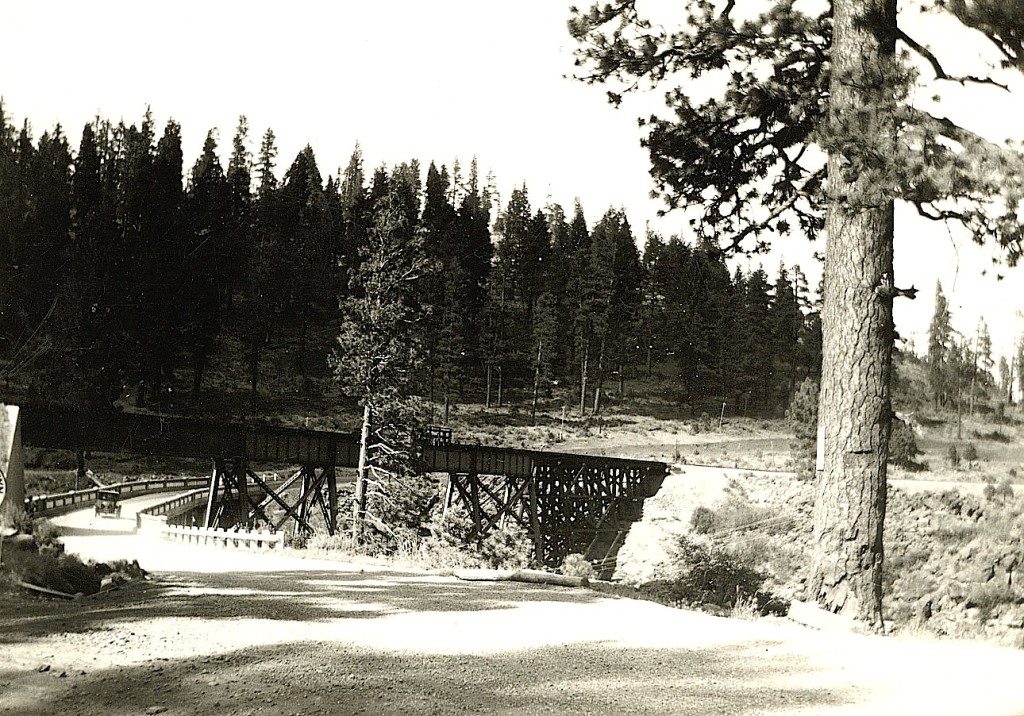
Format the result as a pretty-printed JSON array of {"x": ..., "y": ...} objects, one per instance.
[{"x": 106, "y": 503}]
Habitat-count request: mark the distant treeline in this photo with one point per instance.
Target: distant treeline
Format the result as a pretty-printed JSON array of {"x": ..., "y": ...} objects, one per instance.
[{"x": 123, "y": 275}]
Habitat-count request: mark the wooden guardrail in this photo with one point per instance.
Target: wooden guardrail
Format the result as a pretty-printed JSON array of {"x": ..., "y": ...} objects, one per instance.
[
  {"x": 47, "y": 505},
  {"x": 224, "y": 537}
]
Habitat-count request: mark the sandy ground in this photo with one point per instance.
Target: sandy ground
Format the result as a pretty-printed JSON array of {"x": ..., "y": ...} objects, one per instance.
[{"x": 226, "y": 632}]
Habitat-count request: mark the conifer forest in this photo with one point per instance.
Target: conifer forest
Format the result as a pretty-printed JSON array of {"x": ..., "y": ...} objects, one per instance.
[{"x": 135, "y": 275}]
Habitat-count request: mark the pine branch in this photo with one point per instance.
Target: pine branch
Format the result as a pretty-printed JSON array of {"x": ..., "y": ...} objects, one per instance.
[{"x": 940, "y": 72}]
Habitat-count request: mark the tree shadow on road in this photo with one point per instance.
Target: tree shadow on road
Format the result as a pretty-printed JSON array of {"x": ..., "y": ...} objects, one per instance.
[
  {"x": 301, "y": 596},
  {"x": 328, "y": 678}
]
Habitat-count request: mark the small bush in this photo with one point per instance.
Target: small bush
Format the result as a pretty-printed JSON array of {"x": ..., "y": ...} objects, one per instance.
[
  {"x": 1005, "y": 490},
  {"x": 703, "y": 521},
  {"x": 953, "y": 456},
  {"x": 575, "y": 565},
  {"x": 903, "y": 450},
  {"x": 449, "y": 543},
  {"x": 452, "y": 527},
  {"x": 704, "y": 422},
  {"x": 61, "y": 572},
  {"x": 988, "y": 597},
  {"x": 706, "y": 574},
  {"x": 20, "y": 521},
  {"x": 452, "y": 543},
  {"x": 46, "y": 535},
  {"x": 738, "y": 514},
  {"x": 508, "y": 547},
  {"x": 330, "y": 543},
  {"x": 970, "y": 454},
  {"x": 296, "y": 540}
]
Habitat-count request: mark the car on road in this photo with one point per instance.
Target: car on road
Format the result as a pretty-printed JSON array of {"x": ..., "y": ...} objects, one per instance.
[{"x": 106, "y": 503}]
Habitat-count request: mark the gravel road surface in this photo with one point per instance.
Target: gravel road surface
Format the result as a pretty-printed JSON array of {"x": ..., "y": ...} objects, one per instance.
[{"x": 232, "y": 633}]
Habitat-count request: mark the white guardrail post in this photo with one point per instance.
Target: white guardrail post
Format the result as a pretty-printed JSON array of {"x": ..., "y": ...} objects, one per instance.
[{"x": 224, "y": 538}]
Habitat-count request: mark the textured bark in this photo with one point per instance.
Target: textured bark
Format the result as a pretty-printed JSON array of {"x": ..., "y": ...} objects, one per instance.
[
  {"x": 359, "y": 503},
  {"x": 854, "y": 405}
]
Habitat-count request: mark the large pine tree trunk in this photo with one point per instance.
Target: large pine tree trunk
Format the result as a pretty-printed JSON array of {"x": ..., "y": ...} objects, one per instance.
[{"x": 857, "y": 330}]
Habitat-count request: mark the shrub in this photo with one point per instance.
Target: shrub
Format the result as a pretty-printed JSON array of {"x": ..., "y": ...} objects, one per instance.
[
  {"x": 448, "y": 544},
  {"x": 953, "y": 456},
  {"x": 706, "y": 574},
  {"x": 61, "y": 572},
  {"x": 988, "y": 597},
  {"x": 296, "y": 540},
  {"x": 703, "y": 521},
  {"x": 330, "y": 543},
  {"x": 452, "y": 543},
  {"x": 20, "y": 521},
  {"x": 970, "y": 454},
  {"x": 738, "y": 513},
  {"x": 46, "y": 535},
  {"x": 903, "y": 449},
  {"x": 1005, "y": 490},
  {"x": 704, "y": 421},
  {"x": 452, "y": 527},
  {"x": 575, "y": 565},
  {"x": 507, "y": 547}
]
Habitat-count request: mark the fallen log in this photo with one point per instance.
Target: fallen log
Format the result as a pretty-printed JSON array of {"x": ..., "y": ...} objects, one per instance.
[
  {"x": 44, "y": 590},
  {"x": 530, "y": 576}
]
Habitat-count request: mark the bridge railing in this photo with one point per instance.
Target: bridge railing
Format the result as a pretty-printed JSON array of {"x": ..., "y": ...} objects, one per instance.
[
  {"x": 48, "y": 505},
  {"x": 156, "y": 515},
  {"x": 224, "y": 537}
]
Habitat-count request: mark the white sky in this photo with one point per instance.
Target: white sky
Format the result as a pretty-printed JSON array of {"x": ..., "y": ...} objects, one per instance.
[{"x": 430, "y": 80}]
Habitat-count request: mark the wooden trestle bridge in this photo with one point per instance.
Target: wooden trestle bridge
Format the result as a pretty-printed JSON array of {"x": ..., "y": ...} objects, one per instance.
[{"x": 569, "y": 503}]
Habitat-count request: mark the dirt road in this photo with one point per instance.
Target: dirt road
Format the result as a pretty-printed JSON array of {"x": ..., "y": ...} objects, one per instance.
[
  {"x": 235, "y": 633},
  {"x": 239, "y": 633}
]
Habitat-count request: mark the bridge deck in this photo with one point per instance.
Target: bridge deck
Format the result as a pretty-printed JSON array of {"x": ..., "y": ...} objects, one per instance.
[{"x": 261, "y": 444}]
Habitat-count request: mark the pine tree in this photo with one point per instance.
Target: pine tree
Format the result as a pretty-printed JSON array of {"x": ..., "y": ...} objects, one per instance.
[
  {"x": 939, "y": 335},
  {"x": 544, "y": 350},
  {"x": 377, "y": 355},
  {"x": 356, "y": 209},
  {"x": 579, "y": 248},
  {"x": 150, "y": 196},
  {"x": 208, "y": 255},
  {"x": 240, "y": 224},
  {"x": 612, "y": 297},
  {"x": 265, "y": 276},
  {"x": 474, "y": 256},
  {"x": 833, "y": 82},
  {"x": 785, "y": 321},
  {"x": 306, "y": 245}
]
